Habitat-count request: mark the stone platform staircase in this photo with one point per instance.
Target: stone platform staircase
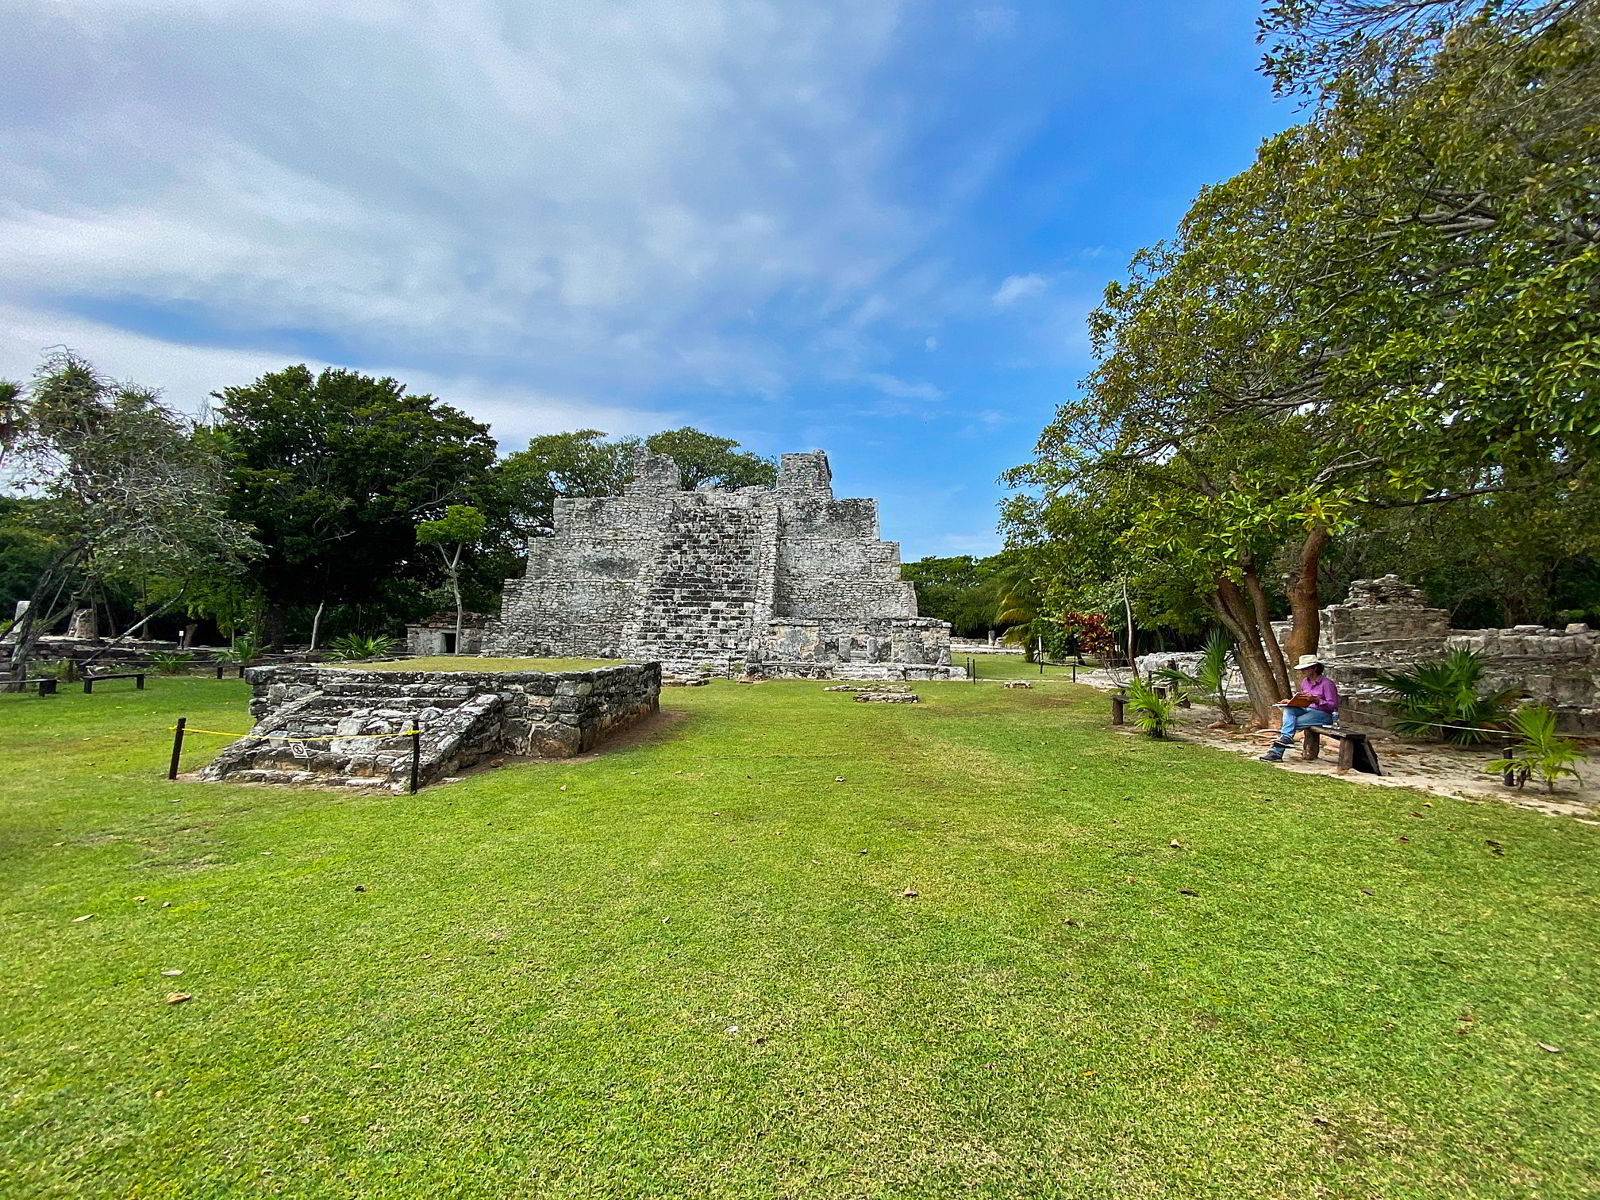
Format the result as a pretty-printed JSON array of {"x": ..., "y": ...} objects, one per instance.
[
  {"x": 342, "y": 723},
  {"x": 700, "y": 598}
]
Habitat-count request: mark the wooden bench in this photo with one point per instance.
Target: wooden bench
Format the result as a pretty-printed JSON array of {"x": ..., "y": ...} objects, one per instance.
[
  {"x": 90, "y": 680},
  {"x": 46, "y": 685},
  {"x": 1355, "y": 749}
]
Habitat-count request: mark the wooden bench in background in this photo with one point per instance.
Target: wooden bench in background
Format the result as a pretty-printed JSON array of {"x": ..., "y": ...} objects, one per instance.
[
  {"x": 46, "y": 685},
  {"x": 1355, "y": 749},
  {"x": 90, "y": 680}
]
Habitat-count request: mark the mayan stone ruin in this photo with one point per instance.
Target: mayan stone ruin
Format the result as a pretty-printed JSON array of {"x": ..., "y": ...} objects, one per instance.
[
  {"x": 1386, "y": 622},
  {"x": 779, "y": 582},
  {"x": 342, "y": 726}
]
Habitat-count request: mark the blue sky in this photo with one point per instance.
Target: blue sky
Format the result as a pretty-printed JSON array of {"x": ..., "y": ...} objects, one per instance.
[{"x": 867, "y": 226}]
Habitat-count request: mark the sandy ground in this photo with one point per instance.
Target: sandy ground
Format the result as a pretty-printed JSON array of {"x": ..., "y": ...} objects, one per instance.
[{"x": 1432, "y": 767}]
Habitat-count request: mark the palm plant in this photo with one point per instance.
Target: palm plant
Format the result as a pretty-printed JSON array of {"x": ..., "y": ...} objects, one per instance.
[
  {"x": 1443, "y": 696},
  {"x": 1152, "y": 713},
  {"x": 1536, "y": 749},
  {"x": 245, "y": 650},
  {"x": 355, "y": 646},
  {"x": 1210, "y": 676},
  {"x": 171, "y": 662}
]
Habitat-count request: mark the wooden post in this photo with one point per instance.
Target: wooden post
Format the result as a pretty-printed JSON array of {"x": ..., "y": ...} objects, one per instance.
[
  {"x": 416, "y": 757},
  {"x": 177, "y": 746},
  {"x": 47, "y": 687},
  {"x": 1074, "y": 671},
  {"x": 1510, "y": 777},
  {"x": 138, "y": 681},
  {"x": 1118, "y": 702},
  {"x": 1313, "y": 744}
]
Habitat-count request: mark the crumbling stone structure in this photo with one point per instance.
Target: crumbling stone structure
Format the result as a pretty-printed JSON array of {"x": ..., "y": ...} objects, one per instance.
[
  {"x": 1385, "y": 623},
  {"x": 464, "y": 716},
  {"x": 436, "y": 635},
  {"x": 773, "y": 582}
]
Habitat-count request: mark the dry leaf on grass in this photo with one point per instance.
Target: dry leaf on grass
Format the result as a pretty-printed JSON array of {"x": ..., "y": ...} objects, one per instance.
[{"x": 178, "y": 997}]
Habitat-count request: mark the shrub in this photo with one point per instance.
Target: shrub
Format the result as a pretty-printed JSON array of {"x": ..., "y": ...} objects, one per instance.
[
  {"x": 244, "y": 650},
  {"x": 66, "y": 670},
  {"x": 1445, "y": 694},
  {"x": 1151, "y": 713},
  {"x": 171, "y": 662},
  {"x": 360, "y": 645},
  {"x": 1536, "y": 749}
]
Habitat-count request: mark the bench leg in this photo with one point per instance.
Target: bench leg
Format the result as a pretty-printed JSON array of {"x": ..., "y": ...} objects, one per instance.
[
  {"x": 1347, "y": 752},
  {"x": 1312, "y": 746},
  {"x": 88, "y": 686},
  {"x": 1116, "y": 710},
  {"x": 47, "y": 687},
  {"x": 138, "y": 682}
]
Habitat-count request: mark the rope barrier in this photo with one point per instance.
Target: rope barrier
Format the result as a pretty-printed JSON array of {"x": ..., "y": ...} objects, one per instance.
[{"x": 320, "y": 737}]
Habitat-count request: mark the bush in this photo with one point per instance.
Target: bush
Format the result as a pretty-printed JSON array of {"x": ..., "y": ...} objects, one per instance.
[
  {"x": 1152, "y": 714},
  {"x": 355, "y": 646},
  {"x": 243, "y": 651},
  {"x": 171, "y": 662},
  {"x": 66, "y": 670},
  {"x": 1441, "y": 699},
  {"x": 1536, "y": 749}
]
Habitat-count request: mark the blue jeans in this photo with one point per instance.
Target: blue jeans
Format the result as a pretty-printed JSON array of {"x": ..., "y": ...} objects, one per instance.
[{"x": 1296, "y": 719}]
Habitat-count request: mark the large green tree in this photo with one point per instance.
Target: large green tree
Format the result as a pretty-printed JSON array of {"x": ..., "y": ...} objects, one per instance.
[
  {"x": 335, "y": 470},
  {"x": 119, "y": 490},
  {"x": 1395, "y": 307}
]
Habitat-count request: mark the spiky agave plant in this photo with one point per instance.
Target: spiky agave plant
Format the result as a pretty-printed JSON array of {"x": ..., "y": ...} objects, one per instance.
[
  {"x": 355, "y": 646},
  {"x": 1537, "y": 749},
  {"x": 1441, "y": 698}
]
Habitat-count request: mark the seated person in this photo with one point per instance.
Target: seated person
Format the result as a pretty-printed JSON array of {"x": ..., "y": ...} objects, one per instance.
[{"x": 1316, "y": 703}]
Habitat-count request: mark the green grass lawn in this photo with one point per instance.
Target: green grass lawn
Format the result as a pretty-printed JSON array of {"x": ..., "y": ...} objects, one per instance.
[{"x": 689, "y": 968}]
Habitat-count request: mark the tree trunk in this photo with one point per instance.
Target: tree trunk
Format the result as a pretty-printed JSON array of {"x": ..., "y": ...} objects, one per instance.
[
  {"x": 1262, "y": 613},
  {"x": 316, "y": 624},
  {"x": 1305, "y": 594},
  {"x": 133, "y": 629},
  {"x": 1234, "y": 612},
  {"x": 35, "y": 621},
  {"x": 455, "y": 589},
  {"x": 276, "y": 618},
  {"x": 1127, "y": 610}
]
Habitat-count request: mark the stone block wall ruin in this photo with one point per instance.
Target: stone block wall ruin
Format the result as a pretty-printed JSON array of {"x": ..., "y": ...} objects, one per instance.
[
  {"x": 1386, "y": 623},
  {"x": 465, "y": 716},
  {"x": 777, "y": 582}
]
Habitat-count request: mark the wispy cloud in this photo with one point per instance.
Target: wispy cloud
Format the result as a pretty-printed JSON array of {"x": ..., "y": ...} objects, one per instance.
[{"x": 1015, "y": 288}]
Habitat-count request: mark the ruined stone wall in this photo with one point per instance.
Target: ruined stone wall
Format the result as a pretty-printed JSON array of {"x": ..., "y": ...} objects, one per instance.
[
  {"x": 1385, "y": 624},
  {"x": 773, "y": 581},
  {"x": 464, "y": 717}
]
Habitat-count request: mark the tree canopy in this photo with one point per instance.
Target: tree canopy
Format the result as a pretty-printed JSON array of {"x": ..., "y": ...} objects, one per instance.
[
  {"x": 1393, "y": 308},
  {"x": 334, "y": 470}
]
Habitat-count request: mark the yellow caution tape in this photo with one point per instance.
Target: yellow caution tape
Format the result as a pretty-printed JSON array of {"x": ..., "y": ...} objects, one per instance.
[{"x": 321, "y": 737}]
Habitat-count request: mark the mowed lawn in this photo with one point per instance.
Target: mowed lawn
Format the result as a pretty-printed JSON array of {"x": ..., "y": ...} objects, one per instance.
[{"x": 691, "y": 968}]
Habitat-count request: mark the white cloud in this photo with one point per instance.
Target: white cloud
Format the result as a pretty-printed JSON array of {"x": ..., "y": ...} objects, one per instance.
[
  {"x": 1018, "y": 287},
  {"x": 187, "y": 375},
  {"x": 602, "y": 197},
  {"x": 931, "y": 344},
  {"x": 901, "y": 389}
]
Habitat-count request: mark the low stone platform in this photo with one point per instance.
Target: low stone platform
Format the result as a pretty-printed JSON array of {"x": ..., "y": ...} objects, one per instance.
[{"x": 464, "y": 717}]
